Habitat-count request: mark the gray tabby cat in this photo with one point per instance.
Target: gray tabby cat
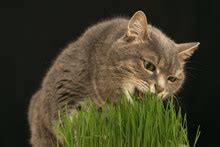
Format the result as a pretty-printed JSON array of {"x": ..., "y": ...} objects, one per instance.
[{"x": 112, "y": 58}]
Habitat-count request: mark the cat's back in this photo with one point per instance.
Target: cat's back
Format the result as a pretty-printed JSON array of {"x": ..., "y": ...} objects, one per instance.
[
  {"x": 95, "y": 41},
  {"x": 98, "y": 36},
  {"x": 106, "y": 30},
  {"x": 79, "y": 55},
  {"x": 107, "y": 27}
]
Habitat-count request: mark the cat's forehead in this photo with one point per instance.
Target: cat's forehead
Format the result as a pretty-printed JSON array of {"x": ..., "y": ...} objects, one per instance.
[
  {"x": 159, "y": 42},
  {"x": 169, "y": 64},
  {"x": 163, "y": 49}
]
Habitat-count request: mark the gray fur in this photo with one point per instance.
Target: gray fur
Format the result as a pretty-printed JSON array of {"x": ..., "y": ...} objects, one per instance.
[{"x": 106, "y": 62}]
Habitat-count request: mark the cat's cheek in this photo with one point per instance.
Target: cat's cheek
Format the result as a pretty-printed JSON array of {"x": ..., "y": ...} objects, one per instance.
[{"x": 178, "y": 86}]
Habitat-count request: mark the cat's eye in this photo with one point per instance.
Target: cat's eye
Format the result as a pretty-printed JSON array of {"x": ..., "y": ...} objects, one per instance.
[
  {"x": 149, "y": 66},
  {"x": 172, "y": 79}
]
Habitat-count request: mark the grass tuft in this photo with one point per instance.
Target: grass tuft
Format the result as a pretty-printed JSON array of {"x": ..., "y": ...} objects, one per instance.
[{"x": 147, "y": 123}]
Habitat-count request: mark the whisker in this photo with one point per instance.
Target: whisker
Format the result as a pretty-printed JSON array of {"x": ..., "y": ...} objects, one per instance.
[
  {"x": 176, "y": 99},
  {"x": 190, "y": 61},
  {"x": 187, "y": 67},
  {"x": 191, "y": 75}
]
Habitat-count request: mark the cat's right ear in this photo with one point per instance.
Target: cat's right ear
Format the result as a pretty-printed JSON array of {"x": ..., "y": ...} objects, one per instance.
[
  {"x": 185, "y": 50},
  {"x": 137, "y": 27}
]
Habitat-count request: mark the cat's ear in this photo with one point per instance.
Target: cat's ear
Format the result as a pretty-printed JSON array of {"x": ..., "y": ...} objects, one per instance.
[
  {"x": 185, "y": 50},
  {"x": 137, "y": 26}
]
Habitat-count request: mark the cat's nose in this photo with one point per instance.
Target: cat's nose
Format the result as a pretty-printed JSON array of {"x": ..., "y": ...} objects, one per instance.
[{"x": 158, "y": 88}]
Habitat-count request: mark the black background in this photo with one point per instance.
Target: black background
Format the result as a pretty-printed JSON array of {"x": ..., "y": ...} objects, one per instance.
[{"x": 33, "y": 33}]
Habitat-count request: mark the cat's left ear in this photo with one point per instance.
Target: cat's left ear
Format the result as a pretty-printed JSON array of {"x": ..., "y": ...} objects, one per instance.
[
  {"x": 185, "y": 50},
  {"x": 137, "y": 26}
]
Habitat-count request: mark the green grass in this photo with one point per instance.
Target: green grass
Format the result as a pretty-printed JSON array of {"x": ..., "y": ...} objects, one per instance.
[{"x": 147, "y": 123}]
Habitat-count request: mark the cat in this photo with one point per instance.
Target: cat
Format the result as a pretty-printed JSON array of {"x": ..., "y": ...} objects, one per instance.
[{"x": 112, "y": 58}]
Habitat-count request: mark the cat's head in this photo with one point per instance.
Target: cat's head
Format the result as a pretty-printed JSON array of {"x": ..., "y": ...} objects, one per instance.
[{"x": 147, "y": 60}]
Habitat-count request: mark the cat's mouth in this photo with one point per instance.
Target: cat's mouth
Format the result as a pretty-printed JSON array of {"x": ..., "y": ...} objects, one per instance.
[{"x": 139, "y": 94}]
